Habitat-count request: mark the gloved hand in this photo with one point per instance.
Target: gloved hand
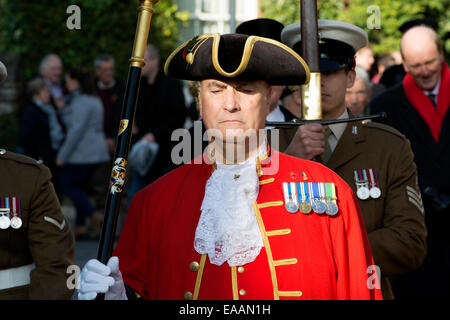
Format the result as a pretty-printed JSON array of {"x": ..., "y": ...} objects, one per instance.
[{"x": 97, "y": 278}]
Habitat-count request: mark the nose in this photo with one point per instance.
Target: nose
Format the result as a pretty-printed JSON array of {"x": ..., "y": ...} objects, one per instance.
[{"x": 231, "y": 103}]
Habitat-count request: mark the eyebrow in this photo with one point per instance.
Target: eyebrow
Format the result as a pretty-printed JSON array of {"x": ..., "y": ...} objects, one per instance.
[{"x": 216, "y": 84}]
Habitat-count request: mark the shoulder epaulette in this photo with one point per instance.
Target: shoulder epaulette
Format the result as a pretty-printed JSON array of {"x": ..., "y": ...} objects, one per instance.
[
  {"x": 4, "y": 154},
  {"x": 382, "y": 127}
]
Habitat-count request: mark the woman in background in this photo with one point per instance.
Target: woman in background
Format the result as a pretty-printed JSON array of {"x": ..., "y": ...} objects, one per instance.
[
  {"x": 41, "y": 133},
  {"x": 84, "y": 147}
]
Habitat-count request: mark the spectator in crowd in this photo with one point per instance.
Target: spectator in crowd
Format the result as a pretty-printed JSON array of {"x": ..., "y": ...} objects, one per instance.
[
  {"x": 358, "y": 96},
  {"x": 418, "y": 107},
  {"x": 111, "y": 91},
  {"x": 382, "y": 62},
  {"x": 41, "y": 134},
  {"x": 51, "y": 69},
  {"x": 292, "y": 100},
  {"x": 160, "y": 110},
  {"x": 364, "y": 58},
  {"x": 84, "y": 148}
]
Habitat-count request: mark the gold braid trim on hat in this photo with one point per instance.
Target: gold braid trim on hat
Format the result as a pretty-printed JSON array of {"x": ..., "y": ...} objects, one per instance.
[
  {"x": 246, "y": 55},
  {"x": 201, "y": 38}
]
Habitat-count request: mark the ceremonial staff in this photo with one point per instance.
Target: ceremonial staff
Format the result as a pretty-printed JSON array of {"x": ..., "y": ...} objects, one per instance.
[{"x": 118, "y": 173}]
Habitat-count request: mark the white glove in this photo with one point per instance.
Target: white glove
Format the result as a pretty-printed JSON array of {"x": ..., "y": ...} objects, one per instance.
[{"x": 97, "y": 278}]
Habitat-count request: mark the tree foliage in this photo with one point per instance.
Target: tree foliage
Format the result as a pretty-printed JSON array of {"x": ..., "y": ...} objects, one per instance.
[
  {"x": 35, "y": 28},
  {"x": 393, "y": 13}
]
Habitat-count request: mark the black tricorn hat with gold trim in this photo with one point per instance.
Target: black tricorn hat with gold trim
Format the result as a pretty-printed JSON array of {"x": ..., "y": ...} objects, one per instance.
[{"x": 239, "y": 57}]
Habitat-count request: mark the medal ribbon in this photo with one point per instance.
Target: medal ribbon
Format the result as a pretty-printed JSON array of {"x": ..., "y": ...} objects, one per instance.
[
  {"x": 322, "y": 191},
  {"x": 16, "y": 207},
  {"x": 305, "y": 190},
  {"x": 315, "y": 190},
  {"x": 7, "y": 206},
  {"x": 374, "y": 176},
  {"x": 288, "y": 194},
  {"x": 300, "y": 194}
]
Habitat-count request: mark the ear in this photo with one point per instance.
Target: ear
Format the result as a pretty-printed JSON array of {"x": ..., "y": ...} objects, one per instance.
[{"x": 351, "y": 76}]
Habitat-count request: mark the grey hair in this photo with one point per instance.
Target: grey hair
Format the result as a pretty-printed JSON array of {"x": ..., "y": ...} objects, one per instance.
[
  {"x": 46, "y": 59},
  {"x": 362, "y": 74},
  {"x": 102, "y": 58}
]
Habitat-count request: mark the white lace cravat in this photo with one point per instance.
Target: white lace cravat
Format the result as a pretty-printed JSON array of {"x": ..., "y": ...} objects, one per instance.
[{"x": 227, "y": 229}]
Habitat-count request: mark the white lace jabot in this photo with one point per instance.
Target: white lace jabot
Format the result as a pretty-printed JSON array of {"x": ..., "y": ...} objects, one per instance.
[{"x": 227, "y": 229}]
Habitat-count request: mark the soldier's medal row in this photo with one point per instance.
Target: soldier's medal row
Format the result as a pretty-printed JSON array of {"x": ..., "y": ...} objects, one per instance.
[
  {"x": 308, "y": 197},
  {"x": 367, "y": 184},
  {"x": 10, "y": 213}
]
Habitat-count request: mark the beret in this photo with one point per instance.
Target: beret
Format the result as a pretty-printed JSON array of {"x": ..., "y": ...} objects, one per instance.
[{"x": 239, "y": 57}]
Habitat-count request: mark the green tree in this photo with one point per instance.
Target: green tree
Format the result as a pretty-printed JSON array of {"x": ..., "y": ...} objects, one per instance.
[
  {"x": 35, "y": 28},
  {"x": 393, "y": 13}
]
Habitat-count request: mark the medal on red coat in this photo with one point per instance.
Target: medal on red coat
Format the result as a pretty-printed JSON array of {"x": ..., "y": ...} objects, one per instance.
[
  {"x": 317, "y": 202},
  {"x": 290, "y": 197},
  {"x": 332, "y": 208},
  {"x": 302, "y": 193}
]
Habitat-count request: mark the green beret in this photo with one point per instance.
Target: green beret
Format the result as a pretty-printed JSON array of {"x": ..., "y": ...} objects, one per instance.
[{"x": 237, "y": 56}]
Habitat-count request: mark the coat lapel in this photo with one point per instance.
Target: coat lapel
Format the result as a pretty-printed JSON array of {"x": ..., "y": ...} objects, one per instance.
[{"x": 346, "y": 148}]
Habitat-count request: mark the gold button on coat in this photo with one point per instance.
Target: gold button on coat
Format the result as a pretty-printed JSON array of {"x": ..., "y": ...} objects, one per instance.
[
  {"x": 194, "y": 266},
  {"x": 242, "y": 292},
  {"x": 188, "y": 295},
  {"x": 241, "y": 269}
]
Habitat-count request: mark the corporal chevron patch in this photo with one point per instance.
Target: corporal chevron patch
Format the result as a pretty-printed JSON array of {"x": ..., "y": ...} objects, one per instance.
[{"x": 415, "y": 198}]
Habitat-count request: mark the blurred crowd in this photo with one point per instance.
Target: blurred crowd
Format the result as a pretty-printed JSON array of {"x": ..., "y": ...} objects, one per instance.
[{"x": 70, "y": 123}]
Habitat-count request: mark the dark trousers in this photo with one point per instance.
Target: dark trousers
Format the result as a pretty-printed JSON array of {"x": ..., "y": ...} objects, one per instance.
[{"x": 73, "y": 181}]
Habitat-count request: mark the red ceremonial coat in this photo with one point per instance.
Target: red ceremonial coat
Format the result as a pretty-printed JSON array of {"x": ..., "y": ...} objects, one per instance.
[{"x": 304, "y": 256}]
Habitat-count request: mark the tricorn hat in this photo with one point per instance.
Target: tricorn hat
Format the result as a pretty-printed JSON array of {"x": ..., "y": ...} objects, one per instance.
[
  {"x": 3, "y": 72},
  {"x": 262, "y": 27},
  {"x": 338, "y": 42},
  {"x": 237, "y": 56}
]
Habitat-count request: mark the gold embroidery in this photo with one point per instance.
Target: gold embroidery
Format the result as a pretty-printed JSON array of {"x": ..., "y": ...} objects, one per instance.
[
  {"x": 280, "y": 232},
  {"x": 284, "y": 262},
  {"x": 266, "y": 181},
  {"x": 234, "y": 284},
  {"x": 199, "y": 276},
  {"x": 290, "y": 293},
  {"x": 268, "y": 251},
  {"x": 270, "y": 204}
]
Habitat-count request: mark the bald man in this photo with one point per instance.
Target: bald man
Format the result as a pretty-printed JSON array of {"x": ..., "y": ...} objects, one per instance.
[{"x": 418, "y": 108}]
